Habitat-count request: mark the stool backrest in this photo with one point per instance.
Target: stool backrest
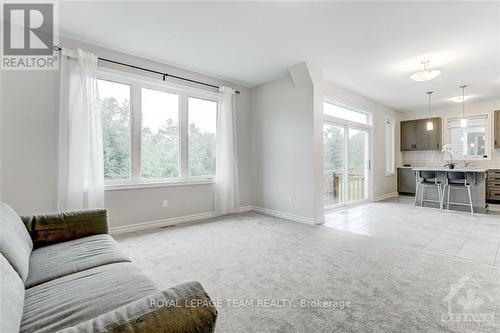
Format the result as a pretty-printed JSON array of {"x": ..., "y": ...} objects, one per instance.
[
  {"x": 456, "y": 176},
  {"x": 427, "y": 175}
]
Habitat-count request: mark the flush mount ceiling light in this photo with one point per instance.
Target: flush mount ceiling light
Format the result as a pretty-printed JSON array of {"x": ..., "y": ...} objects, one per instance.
[
  {"x": 425, "y": 73},
  {"x": 430, "y": 124},
  {"x": 459, "y": 99}
]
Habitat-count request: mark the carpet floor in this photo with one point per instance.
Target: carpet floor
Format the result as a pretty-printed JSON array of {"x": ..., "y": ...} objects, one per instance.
[{"x": 271, "y": 275}]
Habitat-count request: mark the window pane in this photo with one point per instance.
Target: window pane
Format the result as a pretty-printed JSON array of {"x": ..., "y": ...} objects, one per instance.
[
  {"x": 114, "y": 100},
  {"x": 334, "y": 164},
  {"x": 202, "y": 119},
  {"x": 469, "y": 140},
  {"x": 389, "y": 147},
  {"x": 160, "y": 134},
  {"x": 340, "y": 112}
]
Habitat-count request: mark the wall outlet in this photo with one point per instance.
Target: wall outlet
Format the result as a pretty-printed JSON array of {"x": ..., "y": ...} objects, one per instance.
[{"x": 165, "y": 203}]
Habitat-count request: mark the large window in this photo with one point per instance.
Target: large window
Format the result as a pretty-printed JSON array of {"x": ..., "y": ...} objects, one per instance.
[
  {"x": 469, "y": 142},
  {"x": 115, "y": 106},
  {"x": 347, "y": 114},
  {"x": 155, "y": 133},
  {"x": 159, "y": 134},
  {"x": 390, "y": 143},
  {"x": 202, "y": 117}
]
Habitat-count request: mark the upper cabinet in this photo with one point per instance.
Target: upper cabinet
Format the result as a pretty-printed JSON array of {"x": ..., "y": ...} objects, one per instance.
[
  {"x": 496, "y": 128},
  {"x": 415, "y": 136}
]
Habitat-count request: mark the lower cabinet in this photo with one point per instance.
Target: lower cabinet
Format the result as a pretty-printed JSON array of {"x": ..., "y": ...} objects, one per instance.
[{"x": 406, "y": 181}]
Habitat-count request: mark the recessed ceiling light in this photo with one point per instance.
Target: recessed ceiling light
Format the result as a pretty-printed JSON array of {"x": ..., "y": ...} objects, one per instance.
[
  {"x": 425, "y": 74},
  {"x": 459, "y": 99}
]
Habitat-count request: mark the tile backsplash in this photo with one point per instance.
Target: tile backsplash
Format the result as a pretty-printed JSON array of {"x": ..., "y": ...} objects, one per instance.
[{"x": 438, "y": 158}]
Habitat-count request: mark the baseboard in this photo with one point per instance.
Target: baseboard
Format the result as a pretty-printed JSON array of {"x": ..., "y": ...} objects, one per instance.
[
  {"x": 386, "y": 196},
  {"x": 169, "y": 222},
  {"x": 286, "y": 216}
]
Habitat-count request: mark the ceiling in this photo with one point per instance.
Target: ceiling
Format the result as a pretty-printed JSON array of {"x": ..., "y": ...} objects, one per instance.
[{"x": 368, "y": 47}]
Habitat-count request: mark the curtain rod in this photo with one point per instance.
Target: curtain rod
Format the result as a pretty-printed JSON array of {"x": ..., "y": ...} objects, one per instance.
[{"x": 165, "y": 75}]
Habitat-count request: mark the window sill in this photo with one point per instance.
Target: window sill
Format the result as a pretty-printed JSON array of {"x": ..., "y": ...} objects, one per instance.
[{"x": 142, "y": 185}]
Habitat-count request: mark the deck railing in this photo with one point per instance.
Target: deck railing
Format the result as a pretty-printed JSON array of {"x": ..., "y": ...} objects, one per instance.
[{"x": 334, "y": 187}]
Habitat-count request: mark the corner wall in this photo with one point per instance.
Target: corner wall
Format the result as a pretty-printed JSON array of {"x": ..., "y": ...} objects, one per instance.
[{"x": 283, "y": 148}]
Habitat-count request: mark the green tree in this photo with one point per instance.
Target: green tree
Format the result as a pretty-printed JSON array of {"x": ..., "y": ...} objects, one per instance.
[
  {"x": 201, "y": 152},
  {"x": 160, "y": 151},
  {"x": 116, "y": 138}
]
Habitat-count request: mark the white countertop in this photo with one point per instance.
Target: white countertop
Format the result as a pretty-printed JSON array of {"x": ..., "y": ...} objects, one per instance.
[{"x": 443, "y": 169}]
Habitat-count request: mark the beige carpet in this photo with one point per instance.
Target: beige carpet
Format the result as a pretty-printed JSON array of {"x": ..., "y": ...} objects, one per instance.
[{"x": 272, "y": 272}]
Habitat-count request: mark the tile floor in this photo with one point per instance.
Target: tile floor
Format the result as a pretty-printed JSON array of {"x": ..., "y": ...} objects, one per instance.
[{"x": 459, "y": 234}]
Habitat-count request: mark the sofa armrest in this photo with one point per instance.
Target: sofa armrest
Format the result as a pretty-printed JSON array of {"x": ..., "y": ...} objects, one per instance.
[
  {"x": 46, "y": 229},
  {"x": 185, "y": 308}
]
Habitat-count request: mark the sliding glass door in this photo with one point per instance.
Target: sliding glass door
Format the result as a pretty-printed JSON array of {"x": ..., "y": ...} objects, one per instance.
[
  {"x": 346, "y": 164},
  {"x": 334, "y": 169},
  {"x": 357, "y": 165}
]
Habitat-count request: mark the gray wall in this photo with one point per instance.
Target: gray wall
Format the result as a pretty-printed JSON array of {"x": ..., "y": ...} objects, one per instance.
[
  {"x": 279, "y": 146},
  {"x": 28, "y": 133},
  {"x": 283, "y": 153}
]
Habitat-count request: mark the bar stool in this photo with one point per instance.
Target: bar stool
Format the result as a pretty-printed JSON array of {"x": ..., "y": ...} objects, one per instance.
[
  {"x": 428, "y": 179},
  {"x": 457, "y": 180}
]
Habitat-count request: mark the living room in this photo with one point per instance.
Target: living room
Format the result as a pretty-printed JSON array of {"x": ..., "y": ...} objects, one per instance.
[{"x": 250, "y": 166}]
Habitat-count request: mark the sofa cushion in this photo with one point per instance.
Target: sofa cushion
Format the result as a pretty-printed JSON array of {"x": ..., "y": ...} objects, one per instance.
[
  {"x": 58, "y": 260},
  {"x": 11, "y": 297},
  {"x": 15, "y": 241},
  {"x": 74, "y": 298}
]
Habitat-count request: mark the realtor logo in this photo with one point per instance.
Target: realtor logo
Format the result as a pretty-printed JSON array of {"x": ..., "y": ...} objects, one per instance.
[
  {"x": 465, "y": 301},
  {"x": 28, "y": 36}
]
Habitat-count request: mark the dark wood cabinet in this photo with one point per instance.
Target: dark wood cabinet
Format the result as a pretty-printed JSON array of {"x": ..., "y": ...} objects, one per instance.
[
  {"x": 406, "y": 181},
  {"x": 407, "y": 135},
  {"x": 415, "y": 136},
  {"x": 496, "y": 128},
  {"x": 433, "y": 138},
  {"x": 420, "y": 134}
]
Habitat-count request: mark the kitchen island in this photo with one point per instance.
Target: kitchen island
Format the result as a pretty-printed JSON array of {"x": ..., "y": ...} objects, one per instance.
[{"x": 477, "y": 180}]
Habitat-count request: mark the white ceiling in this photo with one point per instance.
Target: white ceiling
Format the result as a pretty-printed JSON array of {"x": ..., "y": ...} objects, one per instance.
[{"x": 368, "y": 47}]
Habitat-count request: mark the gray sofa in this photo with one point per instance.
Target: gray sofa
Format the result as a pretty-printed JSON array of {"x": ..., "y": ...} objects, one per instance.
[{"x": 63, "y": 272}]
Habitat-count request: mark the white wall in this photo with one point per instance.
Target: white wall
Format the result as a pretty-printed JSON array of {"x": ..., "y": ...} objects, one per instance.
[
  {"x": 29, "y": 120},
  {"x": 382, "y": 185},
  {"x": 437, "y": 158}
]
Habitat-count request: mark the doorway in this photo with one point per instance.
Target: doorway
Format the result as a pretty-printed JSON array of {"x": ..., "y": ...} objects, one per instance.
[{"x": 346, "y": 164}]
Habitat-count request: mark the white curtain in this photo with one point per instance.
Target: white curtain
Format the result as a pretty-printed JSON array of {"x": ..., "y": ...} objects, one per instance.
[
  {"x": 81, "y": 168},
  {"x": 226, "y": 180}
]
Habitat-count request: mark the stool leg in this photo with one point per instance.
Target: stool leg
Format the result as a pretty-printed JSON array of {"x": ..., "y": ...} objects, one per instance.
[
  {"x": 416, "y": 195},
  {"x": 448, "y": 198},
  {"x": 440, "y": 198},
  {"x": 470, "y": 201},
  {"x": 422, "y": 192}
]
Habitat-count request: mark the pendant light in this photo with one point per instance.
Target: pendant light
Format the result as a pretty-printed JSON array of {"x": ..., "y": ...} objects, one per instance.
[
  {"x": 463, "y": 121},
  {"x": 430, "y": 124}
]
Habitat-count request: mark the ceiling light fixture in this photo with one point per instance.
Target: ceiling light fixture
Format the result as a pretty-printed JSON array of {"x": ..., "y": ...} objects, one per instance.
[
  {"x": 425, "y": 73},
  {"x": 459, "y": 99},
  {"x": 430, "y": 124},
  {"x": 463, "y": 121}
]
